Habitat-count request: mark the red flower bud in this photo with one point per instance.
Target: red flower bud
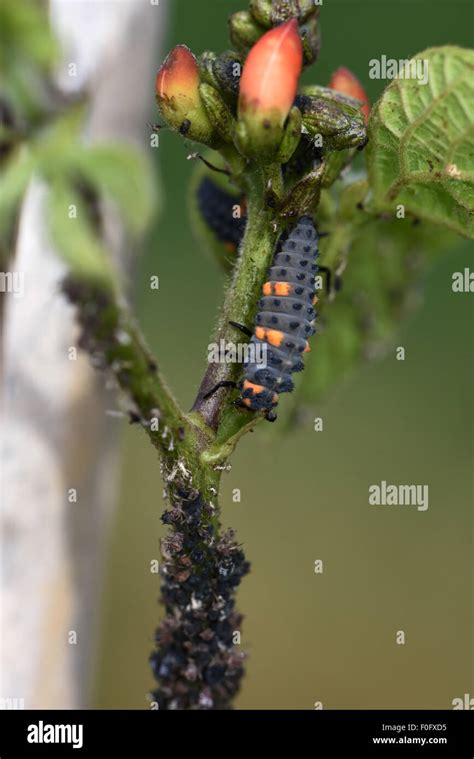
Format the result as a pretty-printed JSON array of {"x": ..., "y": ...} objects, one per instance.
[
  {"x": 177, "y": 94},
  {"x": 346, "y": 82},
  {"x": 271, "y": 71},
  {"x": 179, "y": 75}
]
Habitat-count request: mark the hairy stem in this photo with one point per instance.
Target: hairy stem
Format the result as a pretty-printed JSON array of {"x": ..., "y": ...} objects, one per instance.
[
  {"x": 197, "y": 661},
  {"x": 116, "y": 346},
  {"x": 239, "y": 306}
]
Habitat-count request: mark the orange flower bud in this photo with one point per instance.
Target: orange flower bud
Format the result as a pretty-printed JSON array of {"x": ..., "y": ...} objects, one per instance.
[
  {"x": 346, "y": 82},
  {"x": 178, "y": 98},
  {"x": 270, "y": 74},
  {"x": 179, "y": 75}
]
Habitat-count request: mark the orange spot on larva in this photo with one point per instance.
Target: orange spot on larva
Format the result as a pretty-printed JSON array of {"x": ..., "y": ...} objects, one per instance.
[
  {"x": 274, "y": 337},
  {"x": 256, "y": 389},
  {"x": 282, "y": 288}
]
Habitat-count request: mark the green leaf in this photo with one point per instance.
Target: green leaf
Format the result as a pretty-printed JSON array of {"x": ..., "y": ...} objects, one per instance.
[
  {"x": 25, "y": 35},
  {"x": 421, "y": 142},
  {"x": 15, "y": 176},
  {"x": 72, "y": 234},
  {"x": 28, "y": 52},
  {"x": 121, "y": 173}
]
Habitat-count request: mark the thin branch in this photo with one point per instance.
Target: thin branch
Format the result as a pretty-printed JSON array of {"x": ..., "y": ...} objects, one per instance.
[{"x": 116, "y": 346}]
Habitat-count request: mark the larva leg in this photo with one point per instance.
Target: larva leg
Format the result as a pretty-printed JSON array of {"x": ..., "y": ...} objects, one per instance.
[
  {"x": 198, "y": 156},
  {"x": 271, "y": 416},
  {"x": 242, "y": 328},
  {"x": 223, "y": 383}
]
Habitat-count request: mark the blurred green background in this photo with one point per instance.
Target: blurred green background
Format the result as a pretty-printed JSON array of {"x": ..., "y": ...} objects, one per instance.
[{"x": 310, "y": 637}]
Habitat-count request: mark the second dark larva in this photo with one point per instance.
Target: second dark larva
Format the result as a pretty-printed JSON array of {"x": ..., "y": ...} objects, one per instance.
[{"x": 216, "y": 208}]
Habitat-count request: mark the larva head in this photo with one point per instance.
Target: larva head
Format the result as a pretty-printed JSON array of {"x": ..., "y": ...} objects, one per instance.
[{"x": 257, "y": 397}]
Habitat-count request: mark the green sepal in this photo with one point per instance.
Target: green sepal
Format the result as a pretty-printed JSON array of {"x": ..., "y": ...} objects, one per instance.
[
  {"x": 304, "y": 195},
  {"x": 244, "y": 31},
  {"x": 217, "y": 111},
  {"x": 274, "y": 12},
  {"x": 334, "y": 162},
  {"x": 222, "y": 72},
  {"x": 189, "y": 120},
  {"x": 291, "y": 136},
  {"x": 206, "y": 67},
  {"x": 340, "y": 125},
  {"x": 259, "y": 139},
  {"x": 317, "y": 90},
  {"x": 311, "y": 40}
]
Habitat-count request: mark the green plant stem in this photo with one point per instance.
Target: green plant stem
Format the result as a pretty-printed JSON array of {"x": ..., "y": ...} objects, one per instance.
[{"x": 239, "y": 306}]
